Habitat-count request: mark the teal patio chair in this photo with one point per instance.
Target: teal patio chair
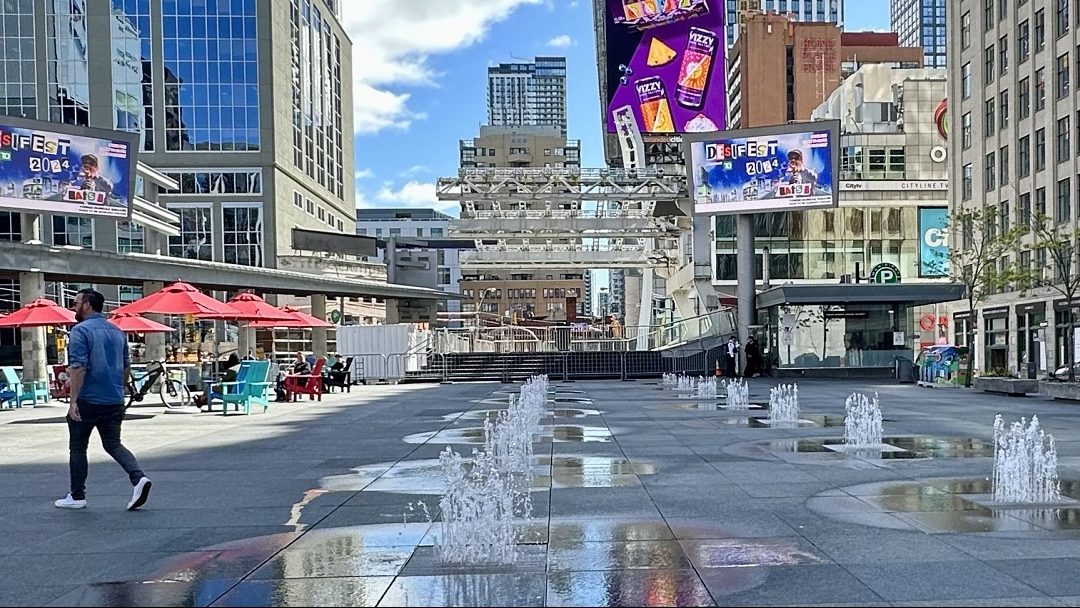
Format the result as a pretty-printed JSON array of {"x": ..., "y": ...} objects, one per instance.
[
  {"x": 29, "y": 391},
  {"x": 252, "y": 389}
]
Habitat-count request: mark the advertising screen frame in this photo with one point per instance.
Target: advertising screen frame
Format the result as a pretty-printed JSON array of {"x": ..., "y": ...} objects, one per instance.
[
  {"x": 664, "y": 93},
  {"x": 58, "y": 129},
  {"x": 690, "y": 140},
  {"x": 933, "y": 265}
]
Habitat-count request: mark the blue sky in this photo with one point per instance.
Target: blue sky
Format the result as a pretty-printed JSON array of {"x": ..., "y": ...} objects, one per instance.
[{"x": 420, "y": 76}]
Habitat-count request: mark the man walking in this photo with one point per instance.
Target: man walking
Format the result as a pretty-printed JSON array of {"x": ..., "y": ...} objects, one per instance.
[{"x": 98, "y": 366}]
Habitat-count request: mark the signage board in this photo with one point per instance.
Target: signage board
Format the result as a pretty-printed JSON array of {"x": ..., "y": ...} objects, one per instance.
[
  {"x": 933, "y": 242},
  {"x": 778, "y": 168},
  {"x": 885, "y": 274},
  {"x": 894, "y": 185},
  {"x": 56, "y": 168},
  {"x": 665, "y": 65}
]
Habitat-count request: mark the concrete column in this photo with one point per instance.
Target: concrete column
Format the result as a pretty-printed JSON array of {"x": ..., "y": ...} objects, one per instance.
[
  {"x": 318, "y": 335},
  {"x": 35, "y": 366},
  {"x": 155, "y": 343},
  {"x": 393, "y": 312},
  {"x": 244, "y": 340},
  {"x": 31, "y": 227},
  {"x": 747, "y": 274}
]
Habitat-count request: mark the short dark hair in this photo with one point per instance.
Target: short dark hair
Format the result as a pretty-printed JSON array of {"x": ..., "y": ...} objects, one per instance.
[
  {"x": 794, "y": 154},
  {"x": 93, "y": 297},
  {"x": 89, "y": 159}
]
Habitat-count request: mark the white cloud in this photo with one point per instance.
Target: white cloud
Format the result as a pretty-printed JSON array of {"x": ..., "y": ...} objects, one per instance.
[
  {"x": 415, "y": 170},
  {"x": 561, "y": 42},
  {"x": 363, "y": 174},
  {"x": 413, "y": 194},
  {"x": 391, "y": 49}
]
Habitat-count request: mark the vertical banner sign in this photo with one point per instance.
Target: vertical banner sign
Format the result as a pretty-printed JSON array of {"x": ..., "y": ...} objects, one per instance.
[{"x": 933, "y": 242}]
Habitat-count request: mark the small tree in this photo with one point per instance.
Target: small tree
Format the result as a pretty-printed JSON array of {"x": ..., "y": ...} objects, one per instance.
[
  {"x": 1060, "y": 273},
  {"x": 978, "y": 258}
]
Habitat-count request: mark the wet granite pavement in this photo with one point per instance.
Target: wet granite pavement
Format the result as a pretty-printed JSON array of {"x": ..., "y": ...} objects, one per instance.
[{"x": 640, "y": 498}]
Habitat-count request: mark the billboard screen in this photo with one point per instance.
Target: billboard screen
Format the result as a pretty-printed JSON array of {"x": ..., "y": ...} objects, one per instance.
[
  {"x": 665, "y": 65},
  {"x": 54, "y": 168},
  {"x": 933, "y": 242},
  {"x": 765, "y": 169}
]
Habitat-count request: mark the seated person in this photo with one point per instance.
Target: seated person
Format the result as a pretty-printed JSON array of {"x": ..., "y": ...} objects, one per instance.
[
  {"x": 232, "y": 366},
  {"x": 299, "y": 367}
]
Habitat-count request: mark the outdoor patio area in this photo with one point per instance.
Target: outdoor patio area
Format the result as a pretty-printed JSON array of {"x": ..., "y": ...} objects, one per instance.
[{"x": 640, "y": 497}]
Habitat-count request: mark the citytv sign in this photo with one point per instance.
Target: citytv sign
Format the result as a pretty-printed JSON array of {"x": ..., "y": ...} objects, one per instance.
[
  {"x": 894, "y": 185},
  {"x": 933, "y": 242}
]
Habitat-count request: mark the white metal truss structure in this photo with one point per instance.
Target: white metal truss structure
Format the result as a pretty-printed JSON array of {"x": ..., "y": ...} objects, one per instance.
[{"x": 565, "y": 218}]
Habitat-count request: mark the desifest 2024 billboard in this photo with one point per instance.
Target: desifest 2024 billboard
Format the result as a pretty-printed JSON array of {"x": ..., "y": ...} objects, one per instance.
[
  {"x": 777, "y": 168},
  {"x": 665, "y": 65},
  {"x": 46, "y": 167}
]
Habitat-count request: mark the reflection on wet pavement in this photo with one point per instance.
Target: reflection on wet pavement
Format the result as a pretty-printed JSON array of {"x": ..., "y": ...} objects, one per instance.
[
  {"x": 356, "y": 591},
  {"x": 467, "y": 590},
  {"x": 703, "y": 406},
  {"x": 493, "y": 414},
  {"x": 628, "y": 588},
  {"x": 893, "y": 448},
  {"x": 559, "y": 433},
  {"x": 745, "y": 552},
  {"x": 955, "y": 506}
]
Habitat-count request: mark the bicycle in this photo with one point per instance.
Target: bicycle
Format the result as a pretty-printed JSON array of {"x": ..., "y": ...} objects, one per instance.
[{"x": 172, "y": 392}]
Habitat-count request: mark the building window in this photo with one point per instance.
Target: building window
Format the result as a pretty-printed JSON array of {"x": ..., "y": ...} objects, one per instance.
[
  {"x": 75, "y": 231},
  {"x": 1003, "y": 55},
  {"x": 68, "y": 81},
  {"x": 437, "y": 232},
  {"x": 309, "y": 206},
  {"x": 1040, "y": 202},
  {"x": 965, "y": 30},
  {"x": 129, "y": 293},
  {"x": 1061, "y": 18},
  {"x": 1023, "y": 41},
  {"x": 990, "y": 171},
  {"x": 1040, "y": 30},
  {"x": 1025, "y": 209},
  {"x": 196, "y": 234},
  {"x": 1023, "y": 157},
  {"x": 966, "y": 183},
  {"x": 1063, "y": 149},
  {"x": 444, "y": 276},
  {"x": 988, "y": 65},
  {"x": 1024, "y": 98},
  {"x": 1003, "y": 109},
  {"x": 965, "y": 81},
  {"x": 1003, "y": 164},
  {"x": 1040, "y": 89},
  {"x": 1064, "y": 200},
  {"x": 20, "y": 88},
  {"x": 1062, "y": 79},
  {"x": 1040, "y": 150},
  {"x": 298, "y": 200},
  {"x": 965, "y": 131},
  {"x": 242, "y": 234},
  {"x": 211, "y": 76},
  {"x": 1003, "y": 217},
  {"x": 246, "y": 181},
  {"x": 133, "y": 94},
  {"x": 988, "y": 15},
  {"x": 130, "y": 238},
  {"x": 989, "y": 126},
  {"x": 10, "y": 224}
]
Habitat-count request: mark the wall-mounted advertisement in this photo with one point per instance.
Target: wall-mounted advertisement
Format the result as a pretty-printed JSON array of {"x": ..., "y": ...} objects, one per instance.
[
  {"x": 780, "y": 168},
  {"x": 665, "y": 66},
  {"x": 46, "y": 167},
  {"x": 933, "y": 242}
]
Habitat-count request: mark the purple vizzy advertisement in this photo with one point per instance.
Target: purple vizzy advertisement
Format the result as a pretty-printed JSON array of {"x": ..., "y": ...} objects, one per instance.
[{"x": 666, "y": 65}]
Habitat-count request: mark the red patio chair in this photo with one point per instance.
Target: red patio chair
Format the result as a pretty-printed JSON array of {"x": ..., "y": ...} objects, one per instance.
[
  {"x": 312, "y": 385},
  {"x": 61, "y": 388}
]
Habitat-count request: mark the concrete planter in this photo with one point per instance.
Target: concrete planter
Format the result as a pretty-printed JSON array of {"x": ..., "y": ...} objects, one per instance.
[
  {"x": 1067, "y": 391},
  {"x": 1006, "y": 386}
]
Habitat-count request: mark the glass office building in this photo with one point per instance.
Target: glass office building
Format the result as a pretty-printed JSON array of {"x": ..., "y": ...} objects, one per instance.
[{"x": 921, "y": 23}]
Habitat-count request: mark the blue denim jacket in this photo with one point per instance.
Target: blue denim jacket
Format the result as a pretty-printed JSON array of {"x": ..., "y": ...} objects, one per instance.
[{"x": 101, "y": 348}]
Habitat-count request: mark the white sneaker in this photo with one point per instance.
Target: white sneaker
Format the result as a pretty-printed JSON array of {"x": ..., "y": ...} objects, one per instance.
[
  {"x": 70, "y": 503},
  {"x": 139, "y": 496}
]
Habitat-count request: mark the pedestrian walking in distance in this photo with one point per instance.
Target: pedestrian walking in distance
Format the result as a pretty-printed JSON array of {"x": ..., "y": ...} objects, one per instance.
[{"x": 98, "y": 364}]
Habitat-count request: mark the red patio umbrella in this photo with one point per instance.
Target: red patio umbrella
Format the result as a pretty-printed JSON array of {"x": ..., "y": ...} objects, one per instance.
[
  {"x": 252, "y": 308},
  {"x": 179, "y": 298},
  {"x": 41, "y": 312},
  {"x": 131, "y": 323},
  {"x": 298, "y": 320}
]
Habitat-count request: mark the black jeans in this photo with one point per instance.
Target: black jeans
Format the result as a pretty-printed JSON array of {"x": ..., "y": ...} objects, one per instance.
[{"x": 106, "y": 419}]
